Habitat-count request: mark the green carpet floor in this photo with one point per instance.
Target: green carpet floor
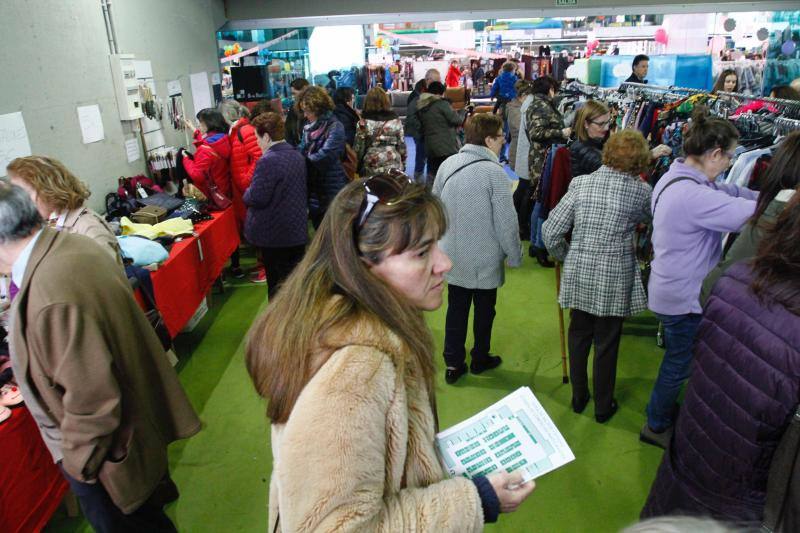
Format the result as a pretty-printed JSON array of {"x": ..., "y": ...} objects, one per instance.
[{"x": 223, "y": 472}]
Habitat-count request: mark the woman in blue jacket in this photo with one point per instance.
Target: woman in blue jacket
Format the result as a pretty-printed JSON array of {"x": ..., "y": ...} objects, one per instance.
[{"x": 323, "y": 146}]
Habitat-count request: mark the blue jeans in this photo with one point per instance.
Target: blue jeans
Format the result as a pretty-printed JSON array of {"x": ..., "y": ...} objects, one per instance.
[
  {"x": 536, "y": 226},
  {"x": 679, "y": 334},
  {"x": 419, "y": 155}
]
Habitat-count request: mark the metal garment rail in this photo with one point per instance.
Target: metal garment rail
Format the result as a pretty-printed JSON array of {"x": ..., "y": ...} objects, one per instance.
[
  {"x": 786, "y": 125},
  {"x": 662, "y": 87}
]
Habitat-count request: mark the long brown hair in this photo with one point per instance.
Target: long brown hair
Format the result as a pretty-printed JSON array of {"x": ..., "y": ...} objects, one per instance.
[
  {"x": 287, "y": 344},
  {"x": 783, "y": 173},
  {"x": 719, "y": 85},
  {"x": 777, "y": 265}
]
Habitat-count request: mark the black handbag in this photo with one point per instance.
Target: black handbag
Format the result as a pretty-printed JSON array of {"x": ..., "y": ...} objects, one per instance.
[{"x": 162, "y": 199}]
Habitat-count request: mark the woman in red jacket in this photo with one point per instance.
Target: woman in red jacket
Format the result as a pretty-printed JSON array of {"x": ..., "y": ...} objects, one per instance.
[
  {"x": 210, "y": 164},
  {"x": 211, "y": 159},
  {"x": 245, "y": 152}
]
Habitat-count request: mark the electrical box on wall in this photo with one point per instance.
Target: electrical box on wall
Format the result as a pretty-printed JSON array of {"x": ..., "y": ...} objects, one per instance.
[{"x": 126, "y": 87}]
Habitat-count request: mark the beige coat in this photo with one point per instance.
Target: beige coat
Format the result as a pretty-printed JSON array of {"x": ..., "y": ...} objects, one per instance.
[
  {"x": 84, "y": 221},
  {"x": 357, "y": 453},
  {"x": 98, "y": 370}
]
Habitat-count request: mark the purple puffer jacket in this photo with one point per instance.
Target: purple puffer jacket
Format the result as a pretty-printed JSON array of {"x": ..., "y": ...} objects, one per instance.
[{"x": 744, "y": 387}]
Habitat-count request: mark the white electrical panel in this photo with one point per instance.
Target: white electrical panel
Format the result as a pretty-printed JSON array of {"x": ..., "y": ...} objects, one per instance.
[{"x": 126, "y": 87}]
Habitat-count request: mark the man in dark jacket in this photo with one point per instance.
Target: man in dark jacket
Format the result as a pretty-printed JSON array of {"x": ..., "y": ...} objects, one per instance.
[
  {"x": 639, "y": 68},
  {"x": 344, "y": 98},
  {"x": 438, "y": 123},
  {"x": 294, "y": 118}
]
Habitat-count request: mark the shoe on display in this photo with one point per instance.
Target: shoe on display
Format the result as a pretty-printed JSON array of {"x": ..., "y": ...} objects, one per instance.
[
  {"x": 603, "y": 418},
  {"x": 579, "y": 405},
  {"x": 237, "y": 272},
  {"x": 660, "y": 439},
  {"x": 258, "y": 276},
  {"x": 452, "y": 374},
  {"x": 482, "y": 364}
]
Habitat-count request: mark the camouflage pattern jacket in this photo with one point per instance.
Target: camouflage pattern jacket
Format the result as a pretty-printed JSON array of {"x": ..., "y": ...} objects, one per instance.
[{"x": 543, "y": 128}]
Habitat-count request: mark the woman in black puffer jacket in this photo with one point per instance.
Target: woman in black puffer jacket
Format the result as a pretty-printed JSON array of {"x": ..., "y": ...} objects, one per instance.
[{"x": 592, "y": 124}]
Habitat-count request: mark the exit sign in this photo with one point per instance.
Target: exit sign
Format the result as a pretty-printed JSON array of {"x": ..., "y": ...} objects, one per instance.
[{"x": 566, "y": 2}]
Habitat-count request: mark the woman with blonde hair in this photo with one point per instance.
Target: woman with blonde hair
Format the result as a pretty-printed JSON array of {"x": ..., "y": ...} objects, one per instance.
[
  {"x": 592, "y": 125},
  {"x": 60, "y": 198},
  {"x": 601, "y": 282},
  {"x": 349, "y": 380},
  {"x": 380, "y": 142}
]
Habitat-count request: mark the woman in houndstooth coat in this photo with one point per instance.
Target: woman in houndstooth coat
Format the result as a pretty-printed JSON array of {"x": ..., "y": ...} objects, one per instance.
[{"x": 601, "y": 283}]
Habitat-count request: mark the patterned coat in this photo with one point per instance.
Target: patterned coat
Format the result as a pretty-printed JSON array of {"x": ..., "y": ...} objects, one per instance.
[
  {"x": 381, "y": 146},
  {"x": 543, "y": 125},
  {"x": 601, "y": 275},
  {"x": 482, "y": 229}
]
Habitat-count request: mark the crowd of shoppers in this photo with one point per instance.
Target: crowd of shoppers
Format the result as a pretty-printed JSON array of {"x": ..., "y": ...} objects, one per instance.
[{"x": 384, "y": 248}]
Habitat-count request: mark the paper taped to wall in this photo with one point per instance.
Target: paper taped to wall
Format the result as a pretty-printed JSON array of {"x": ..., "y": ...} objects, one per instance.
[
  {"x": 132, "y": 149},
  {"x": 91, "y": 124},
  {"x": 513, "y": 434},
  {"x": 13, "y": 139},
  {"x": 201, "y": 93},
  {"x": 174, "y": 88}
]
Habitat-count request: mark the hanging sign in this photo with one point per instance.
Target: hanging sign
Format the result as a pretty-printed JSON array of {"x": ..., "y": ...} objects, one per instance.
[
  {"x": 566, "y": 2},
  {"x": 258, "y": 48}
]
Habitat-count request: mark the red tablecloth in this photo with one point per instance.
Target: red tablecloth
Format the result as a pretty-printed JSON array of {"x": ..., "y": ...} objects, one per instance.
[
  {"x": 31, "y": 486},
  {"x": 181, "y": 283}
]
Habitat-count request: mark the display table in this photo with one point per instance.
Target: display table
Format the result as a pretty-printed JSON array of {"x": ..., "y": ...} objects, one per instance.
[
  {"x": 181, "y": 283},
  {"x": 31, "y": 485}
]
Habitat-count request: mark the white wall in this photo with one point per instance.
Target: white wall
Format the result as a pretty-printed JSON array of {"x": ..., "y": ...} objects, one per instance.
[{"x": 55, "y": 58}]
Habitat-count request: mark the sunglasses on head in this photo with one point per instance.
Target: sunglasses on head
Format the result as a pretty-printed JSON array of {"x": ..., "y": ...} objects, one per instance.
[{"x": 384, "y": 189}]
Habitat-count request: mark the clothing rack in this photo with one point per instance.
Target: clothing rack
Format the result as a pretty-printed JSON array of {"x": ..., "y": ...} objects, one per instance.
[
  {"x": 786, "y": 125},
  {"x": 791, "y": 106},
  {"x": 664, "y": 88}
]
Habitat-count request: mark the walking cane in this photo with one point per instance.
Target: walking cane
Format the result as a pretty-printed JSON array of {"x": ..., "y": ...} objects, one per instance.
[{"x": 564, "y": 372}]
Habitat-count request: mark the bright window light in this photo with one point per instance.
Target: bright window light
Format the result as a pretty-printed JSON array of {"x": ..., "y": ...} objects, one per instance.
[{"x": 348, "y": 50}]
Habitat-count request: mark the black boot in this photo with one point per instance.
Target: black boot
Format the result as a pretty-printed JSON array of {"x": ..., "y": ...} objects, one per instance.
[{"x": 542, "y": 259}]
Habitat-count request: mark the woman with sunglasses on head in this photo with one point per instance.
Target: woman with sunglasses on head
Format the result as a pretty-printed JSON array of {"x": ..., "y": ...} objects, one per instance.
[
  {"x": 350, "y": 379},
  {"x": 483, "y": 235},
  {"x": 592, "y": 125},
  {"x": 691, "y": 212}
]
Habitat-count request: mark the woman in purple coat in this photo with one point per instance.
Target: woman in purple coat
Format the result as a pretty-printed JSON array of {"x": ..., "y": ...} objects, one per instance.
[
  {"x": 277, "y": 202},
  {"x": 691, "y": 212},
  {"x": 744, "y": 389}
]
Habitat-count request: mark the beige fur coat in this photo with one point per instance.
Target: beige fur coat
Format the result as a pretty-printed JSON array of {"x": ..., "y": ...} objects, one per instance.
[{"x": 357, "y": 453}]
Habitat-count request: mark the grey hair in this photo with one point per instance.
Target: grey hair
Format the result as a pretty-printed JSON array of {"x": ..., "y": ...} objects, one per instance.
[
  {"x": 233, "y": 110},
  {"x": 686, "y": 524},
  {"x": 19, "y": 217}
]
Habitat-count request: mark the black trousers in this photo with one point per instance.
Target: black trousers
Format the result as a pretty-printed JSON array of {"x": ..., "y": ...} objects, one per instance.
[
  {"x": 605, "y": 332},
  {"x": 105, "y": 517},
  {"x": 279, "y": 263},
  {"x": 459, "y": 301},
  {"x": 433, "y": 166},
  {"x": 523, "y": 205}
]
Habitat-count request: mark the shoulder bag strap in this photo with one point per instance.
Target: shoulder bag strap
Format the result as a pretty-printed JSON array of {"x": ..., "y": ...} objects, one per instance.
[
  {"x": 462, "y": 167},
  {"x": 784, "y": 465},
  {"x": 676, "y": 180}
]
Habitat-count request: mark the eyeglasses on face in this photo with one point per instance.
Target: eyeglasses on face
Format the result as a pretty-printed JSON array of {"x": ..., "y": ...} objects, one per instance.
[
  {"x": 603, "y": 124},
  {"x": 385, "y": 189}
]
